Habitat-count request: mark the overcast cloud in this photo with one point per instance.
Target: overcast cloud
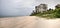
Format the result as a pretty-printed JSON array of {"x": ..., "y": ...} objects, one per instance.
[{"x": 22, "y": 7}]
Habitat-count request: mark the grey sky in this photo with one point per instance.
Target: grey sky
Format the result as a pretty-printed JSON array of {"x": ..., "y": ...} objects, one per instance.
[
  {"x": 22, "y": 7},
  {"x": 51, "y": 3}
]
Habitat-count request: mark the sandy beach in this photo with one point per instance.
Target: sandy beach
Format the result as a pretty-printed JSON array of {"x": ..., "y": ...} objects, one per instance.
[{"x": 29, "y": 22}]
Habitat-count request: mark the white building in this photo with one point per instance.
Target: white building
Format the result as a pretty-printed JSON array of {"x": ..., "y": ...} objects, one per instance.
[{"x": 41, "y": 8}]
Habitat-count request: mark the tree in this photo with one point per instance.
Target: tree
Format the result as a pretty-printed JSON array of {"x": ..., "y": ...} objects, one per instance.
[{"x": 57, "y": 13}]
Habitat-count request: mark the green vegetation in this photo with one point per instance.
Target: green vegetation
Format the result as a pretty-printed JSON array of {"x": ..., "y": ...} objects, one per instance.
[
  {"x": 51, "y": 13},
  {"x": 57, "y": 13}
]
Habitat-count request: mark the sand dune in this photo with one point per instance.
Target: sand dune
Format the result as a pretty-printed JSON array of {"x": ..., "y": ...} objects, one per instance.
[{"x": 29, "y": 22}]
